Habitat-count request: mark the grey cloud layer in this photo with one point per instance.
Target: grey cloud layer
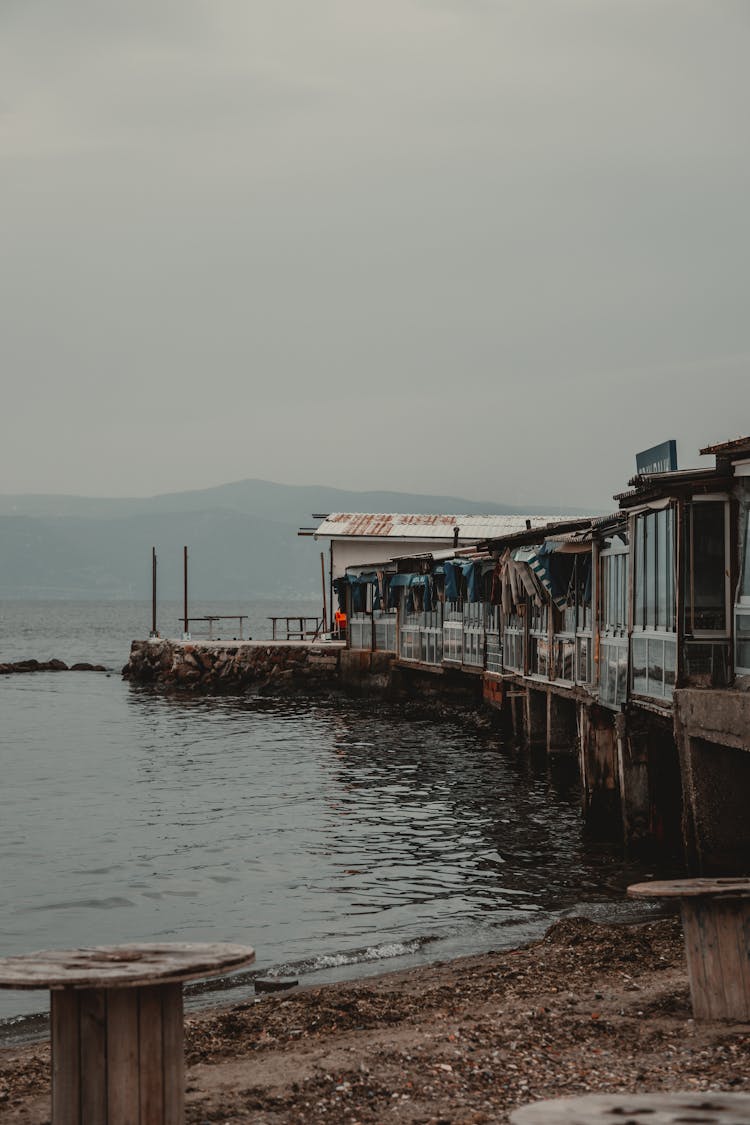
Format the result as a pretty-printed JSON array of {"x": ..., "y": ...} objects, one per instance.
[{"x": 234, "y": 229}]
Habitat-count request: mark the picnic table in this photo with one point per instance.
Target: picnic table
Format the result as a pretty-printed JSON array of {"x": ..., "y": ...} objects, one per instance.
[
  {"x": 637, "y": 1109},
  {"x": 716, "y": 925},
  {"x": 298, "y": 631},
  {"x": 117, "y": 1025}
]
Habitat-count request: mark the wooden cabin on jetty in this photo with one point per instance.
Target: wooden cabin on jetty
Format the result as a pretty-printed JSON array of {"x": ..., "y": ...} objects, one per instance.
[{"x": 624, "y": 638}]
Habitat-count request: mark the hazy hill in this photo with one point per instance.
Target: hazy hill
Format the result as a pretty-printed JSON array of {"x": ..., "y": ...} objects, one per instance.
[
  {"x": 283, "y": 503},
  {"x": 241, "y": 536}
]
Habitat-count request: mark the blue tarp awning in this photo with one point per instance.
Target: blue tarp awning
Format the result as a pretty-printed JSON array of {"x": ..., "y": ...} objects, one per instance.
[{"x": 454, "y": 569}]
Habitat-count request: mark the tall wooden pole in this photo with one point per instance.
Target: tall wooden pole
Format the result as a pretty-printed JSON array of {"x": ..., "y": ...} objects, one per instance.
[
  {"x": 323, "y": 580},
  {"x": 153, "y": 591},
  {"x": 185, "y": 574}
]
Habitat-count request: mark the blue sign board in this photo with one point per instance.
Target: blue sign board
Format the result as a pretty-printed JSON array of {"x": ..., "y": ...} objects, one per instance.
[{"x": 659, "y": 459}]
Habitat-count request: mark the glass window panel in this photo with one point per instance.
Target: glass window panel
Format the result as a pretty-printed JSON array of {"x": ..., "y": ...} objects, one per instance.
[
  {"x": 662, "y": 565},
  {"x": 705, "y": 575},
  {"x": 568, "y": 656},
  {"x": 640, "y": 660},
  {"x": 655, "y": 666},
  {"x": 745, "y": 588},
  {"x": 611, "y": 671},
  {"x": 671, "y": 605},
  {"x": 639, "y": 552},
  {"x": 606, "y": 592},
  {"x": 650, "y": 575},
  {"x": 742, "y": 632},
  {"x": 615, "y": 564},
  {"x": 622, "y": 674},
  {"x": 624, "y": 571},
  {"x": 670, "y": 666}
]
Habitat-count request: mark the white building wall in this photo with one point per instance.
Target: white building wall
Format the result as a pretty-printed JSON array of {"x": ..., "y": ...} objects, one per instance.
[{"x": 355, "y": 552}]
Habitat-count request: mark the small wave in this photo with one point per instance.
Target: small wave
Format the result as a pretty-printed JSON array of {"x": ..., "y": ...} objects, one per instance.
[
  {"x": 364, "y": 955},
  {"x": 369, "y": 954},
  {"x": 19, "y": 1030}
]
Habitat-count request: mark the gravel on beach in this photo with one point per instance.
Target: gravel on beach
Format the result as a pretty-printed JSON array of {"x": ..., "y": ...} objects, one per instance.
[{"x": 589, "y": 1007}]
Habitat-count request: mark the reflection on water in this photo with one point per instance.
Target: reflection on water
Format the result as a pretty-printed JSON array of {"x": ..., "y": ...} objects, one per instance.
[{"x": 318, "y": 833}]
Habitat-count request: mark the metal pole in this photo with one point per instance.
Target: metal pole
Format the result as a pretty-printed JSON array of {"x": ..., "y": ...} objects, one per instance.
[
  {"x": 153, "y": 591},
  {"x": 323, "y": 580},
  {"x": 330, "y": 580},
  {"x": 185, "y": 574}
]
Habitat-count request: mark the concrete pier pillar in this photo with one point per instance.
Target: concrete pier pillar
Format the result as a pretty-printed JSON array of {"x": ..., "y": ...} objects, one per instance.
[
  {"x": 599, "y": 772},
  {"x": 562, "y": 724},
  {"x": 633, "y": 779},
  {"x": 712, "y": 731},
  {"x": 536, "y": 718}
]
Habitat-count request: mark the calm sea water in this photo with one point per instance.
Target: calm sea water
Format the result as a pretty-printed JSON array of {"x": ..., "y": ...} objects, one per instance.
[{"x": 330, "y": 836}]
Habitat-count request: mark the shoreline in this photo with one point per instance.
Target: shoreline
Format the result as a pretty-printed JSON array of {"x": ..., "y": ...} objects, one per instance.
[{"x": 589, "y": 1007}]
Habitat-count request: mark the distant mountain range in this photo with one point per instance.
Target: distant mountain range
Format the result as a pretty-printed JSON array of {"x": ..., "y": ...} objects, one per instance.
[{"x": 242, "y": 539}]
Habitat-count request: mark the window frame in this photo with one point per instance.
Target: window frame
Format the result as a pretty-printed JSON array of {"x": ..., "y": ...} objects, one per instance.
[
  {"x": 714, "y": 634},
  {"x": 644, "y": 529}
]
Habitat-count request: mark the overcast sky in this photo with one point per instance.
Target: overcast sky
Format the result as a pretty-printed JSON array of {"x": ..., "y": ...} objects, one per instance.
[{"x": 487, "y": 247}]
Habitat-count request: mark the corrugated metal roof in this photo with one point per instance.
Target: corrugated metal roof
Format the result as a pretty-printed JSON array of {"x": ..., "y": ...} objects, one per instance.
[
  {"x": 663, "y": 484},
  {"x": 584, "y": 536},
  {"x": 394, "y": 526},
  {"x": 673, "y": 476},
  {"x": 548, "y": 526},
  {"x": 736, "y": 445}
]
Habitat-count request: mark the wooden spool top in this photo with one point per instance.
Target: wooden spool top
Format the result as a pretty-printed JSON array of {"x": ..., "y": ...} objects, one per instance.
[
  {"x": 122, "y": 966},
  {"x": 638, "y": 1109},
  {"x": 691, "y": 888}
]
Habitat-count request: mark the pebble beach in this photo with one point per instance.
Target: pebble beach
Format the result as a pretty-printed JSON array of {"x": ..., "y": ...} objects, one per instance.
[{"x": 588, "y": 1008}]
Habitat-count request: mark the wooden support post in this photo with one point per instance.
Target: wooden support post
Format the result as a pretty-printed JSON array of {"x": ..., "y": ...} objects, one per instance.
[
  {"x": 716, "y": 926},
  {"x": 323, "y": 582},
  {"x": 153, "y": 592},
  {"x": 118, "y": 1056},
  {"x": 717, "y": 945},
  {"x": 185, "y": 589}
]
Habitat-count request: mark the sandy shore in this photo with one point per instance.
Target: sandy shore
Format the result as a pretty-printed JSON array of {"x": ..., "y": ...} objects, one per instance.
[{"x": 587, "y": 1008}]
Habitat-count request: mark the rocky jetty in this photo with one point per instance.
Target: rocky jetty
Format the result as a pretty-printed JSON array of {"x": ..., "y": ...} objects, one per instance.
[
  {"x": 21, "y": 666},
  {"x": 242, "y": 665}
]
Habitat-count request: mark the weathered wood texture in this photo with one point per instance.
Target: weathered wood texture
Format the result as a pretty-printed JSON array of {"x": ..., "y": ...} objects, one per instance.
[
  {"x": 122, "y": 966},
  {"x": 117, "y": 1056},
  {"x": 638, "y": 1109},
  {"x": 716, "y": 926},
  {"x": 690, "y": 888},
  {"x": 122, "y": 1058},
  {"x": 717, "y": 944}
]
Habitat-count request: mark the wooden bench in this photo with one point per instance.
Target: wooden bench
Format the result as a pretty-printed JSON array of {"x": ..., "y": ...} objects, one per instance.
[
  {"x": 637, "y": 1109},
  {"x": 117, "y": 1025},
  {"x": 716, "y": 924}
]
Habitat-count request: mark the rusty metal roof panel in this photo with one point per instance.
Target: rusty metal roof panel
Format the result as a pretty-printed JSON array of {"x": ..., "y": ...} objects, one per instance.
[
  {"x": 739, "y": 446},
  {"x": 347, "y": 525},
  {"x": 650, "y": 485}
]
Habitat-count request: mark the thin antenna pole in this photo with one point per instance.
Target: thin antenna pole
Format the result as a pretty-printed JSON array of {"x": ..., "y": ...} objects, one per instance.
[
  {"x": 185, "y": 572},
  {"x": 153, "y": 591},
  {"x": 323, "y": 580}
]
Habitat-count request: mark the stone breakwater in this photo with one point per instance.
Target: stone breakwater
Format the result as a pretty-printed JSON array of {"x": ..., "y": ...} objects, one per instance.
[
  {"x": 21, "y": 666},
  {"x": 238, "y": 666}
]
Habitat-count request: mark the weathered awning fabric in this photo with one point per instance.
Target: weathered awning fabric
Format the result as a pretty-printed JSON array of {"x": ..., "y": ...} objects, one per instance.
[
  {"x": 358, "y": 584},
  {"x": 540, "y": 563},
  {"x": 560, "y": 573},
  {"x": 419, "y": 583},
  {"x": 513, "y": 580},
  {"x": 455, "y": 569}
]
